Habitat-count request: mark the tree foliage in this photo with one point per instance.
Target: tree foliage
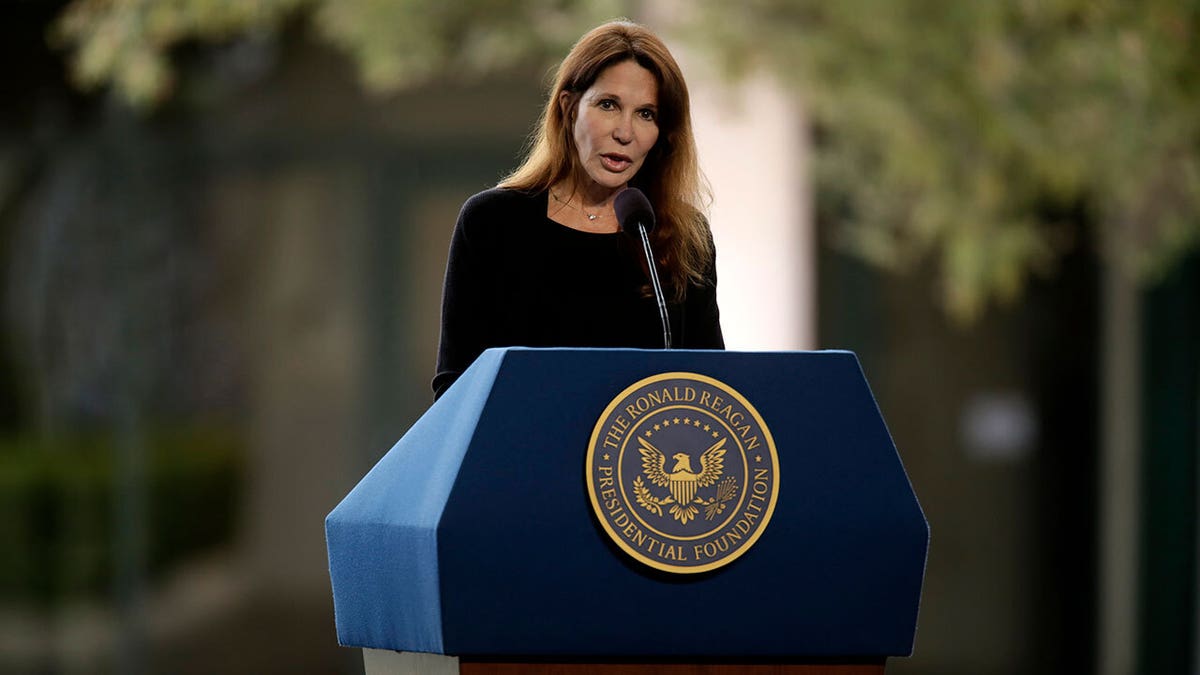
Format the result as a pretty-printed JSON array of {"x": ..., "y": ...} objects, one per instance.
[
  {"x": 394, "y": 43},
  {"x": 128, "y": 43},
  {"x": 978, "y": 136},
  {"x": 982, "y": 135}
]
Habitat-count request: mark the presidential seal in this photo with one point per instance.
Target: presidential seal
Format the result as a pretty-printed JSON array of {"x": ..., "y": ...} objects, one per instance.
[{"x": 682, "y": 472}]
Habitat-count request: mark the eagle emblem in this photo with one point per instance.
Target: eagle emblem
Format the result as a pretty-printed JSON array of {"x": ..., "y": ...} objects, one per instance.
[
  {"x": 683, "y": 481},
  {"x": 682, "y": 472}
]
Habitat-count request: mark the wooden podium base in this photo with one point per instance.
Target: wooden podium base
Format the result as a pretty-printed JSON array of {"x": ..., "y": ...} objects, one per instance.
[
  {"x": 381, "y": 662},
  {"x": 480, "y": 668}
]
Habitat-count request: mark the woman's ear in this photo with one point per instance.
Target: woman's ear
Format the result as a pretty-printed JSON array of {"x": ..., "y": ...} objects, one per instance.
[{"x": 565, "y": 107}]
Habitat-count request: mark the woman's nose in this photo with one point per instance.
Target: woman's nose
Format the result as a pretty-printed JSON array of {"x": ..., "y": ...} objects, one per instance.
[{"x": 623, "y": 131}]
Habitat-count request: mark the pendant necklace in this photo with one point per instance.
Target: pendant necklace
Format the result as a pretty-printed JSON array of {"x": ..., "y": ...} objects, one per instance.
[{"x": 589, "y": 216}]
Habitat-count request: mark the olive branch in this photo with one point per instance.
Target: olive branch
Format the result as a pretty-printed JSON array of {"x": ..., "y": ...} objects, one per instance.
[{"x": 647, "y": 500}]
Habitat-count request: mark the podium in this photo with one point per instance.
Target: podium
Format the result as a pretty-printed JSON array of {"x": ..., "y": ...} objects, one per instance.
[{"x": 487, "y": 533}]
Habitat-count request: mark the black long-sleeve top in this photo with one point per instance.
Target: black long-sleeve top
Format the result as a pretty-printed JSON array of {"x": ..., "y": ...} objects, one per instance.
[{"x": 517, "y": 278}]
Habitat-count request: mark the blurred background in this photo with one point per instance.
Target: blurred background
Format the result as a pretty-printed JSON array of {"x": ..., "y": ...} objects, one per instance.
[{"x": 223, "y": 227}]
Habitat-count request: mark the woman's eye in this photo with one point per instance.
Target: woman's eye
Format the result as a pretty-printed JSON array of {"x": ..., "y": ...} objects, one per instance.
[
  {"x": 608, "y": 104},
  {"x": 647, "y": 115}
]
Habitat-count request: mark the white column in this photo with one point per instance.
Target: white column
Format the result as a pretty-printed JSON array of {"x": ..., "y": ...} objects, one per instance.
[{"x": 753, "y": 144}]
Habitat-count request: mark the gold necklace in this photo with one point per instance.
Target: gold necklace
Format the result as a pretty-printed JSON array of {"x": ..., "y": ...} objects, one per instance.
[{"x": 589, "y": 216}]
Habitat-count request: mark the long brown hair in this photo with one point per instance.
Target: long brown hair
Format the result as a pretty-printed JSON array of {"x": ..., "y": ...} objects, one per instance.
[{"x": 670, "y": 176}]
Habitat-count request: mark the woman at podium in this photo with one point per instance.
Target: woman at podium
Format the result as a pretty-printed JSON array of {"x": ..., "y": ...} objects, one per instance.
[{"x": 541, "y": 261}]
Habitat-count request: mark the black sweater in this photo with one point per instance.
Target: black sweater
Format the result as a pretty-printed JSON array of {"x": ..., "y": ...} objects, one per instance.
[{"x": 517, "y": 278}]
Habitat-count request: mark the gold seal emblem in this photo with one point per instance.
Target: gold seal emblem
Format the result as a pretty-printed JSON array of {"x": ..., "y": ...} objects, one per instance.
[{"x": 682, "y": 472}]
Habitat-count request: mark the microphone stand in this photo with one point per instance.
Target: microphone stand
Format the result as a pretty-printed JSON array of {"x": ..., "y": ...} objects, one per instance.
[
  {"x": 632, "y": 208},
  {"x": 658, "y": 291}
]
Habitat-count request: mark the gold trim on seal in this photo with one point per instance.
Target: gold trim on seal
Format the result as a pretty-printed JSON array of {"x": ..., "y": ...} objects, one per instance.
[{"x": 743, "y": 545}]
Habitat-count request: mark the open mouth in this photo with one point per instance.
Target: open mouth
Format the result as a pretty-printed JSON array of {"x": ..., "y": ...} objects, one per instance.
[{"x": 615, "y": 162}]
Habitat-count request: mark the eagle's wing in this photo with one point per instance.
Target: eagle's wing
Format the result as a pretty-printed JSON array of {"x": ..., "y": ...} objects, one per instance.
[
  {"x": 712, "y": 464},
  {"x": 653, "y": 463}
]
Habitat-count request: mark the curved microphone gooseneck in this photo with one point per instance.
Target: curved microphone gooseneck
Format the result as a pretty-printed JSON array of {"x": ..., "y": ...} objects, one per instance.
[{"x": 636, "y": 215}]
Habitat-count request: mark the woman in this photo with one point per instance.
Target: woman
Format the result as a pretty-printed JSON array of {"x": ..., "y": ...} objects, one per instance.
[{"x": 539, "y": 261}]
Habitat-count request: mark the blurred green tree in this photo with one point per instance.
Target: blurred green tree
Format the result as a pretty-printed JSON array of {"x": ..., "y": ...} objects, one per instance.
[
  {"x": 981, "y": 137},
  {"x": 395, "y": 44}
]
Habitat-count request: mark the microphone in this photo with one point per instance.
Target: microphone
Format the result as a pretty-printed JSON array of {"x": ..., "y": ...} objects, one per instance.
[{"x": 636, "y": 216}]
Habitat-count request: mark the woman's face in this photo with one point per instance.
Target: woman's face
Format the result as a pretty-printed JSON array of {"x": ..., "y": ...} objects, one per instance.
[{"x": 616, "y": 125}]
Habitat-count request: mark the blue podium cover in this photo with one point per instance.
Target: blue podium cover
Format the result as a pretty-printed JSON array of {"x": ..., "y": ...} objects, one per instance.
[{"x": 474, "y": 535}]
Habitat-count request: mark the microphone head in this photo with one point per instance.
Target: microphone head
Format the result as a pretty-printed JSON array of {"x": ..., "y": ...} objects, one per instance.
[{"x": 632, "y": 207}]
